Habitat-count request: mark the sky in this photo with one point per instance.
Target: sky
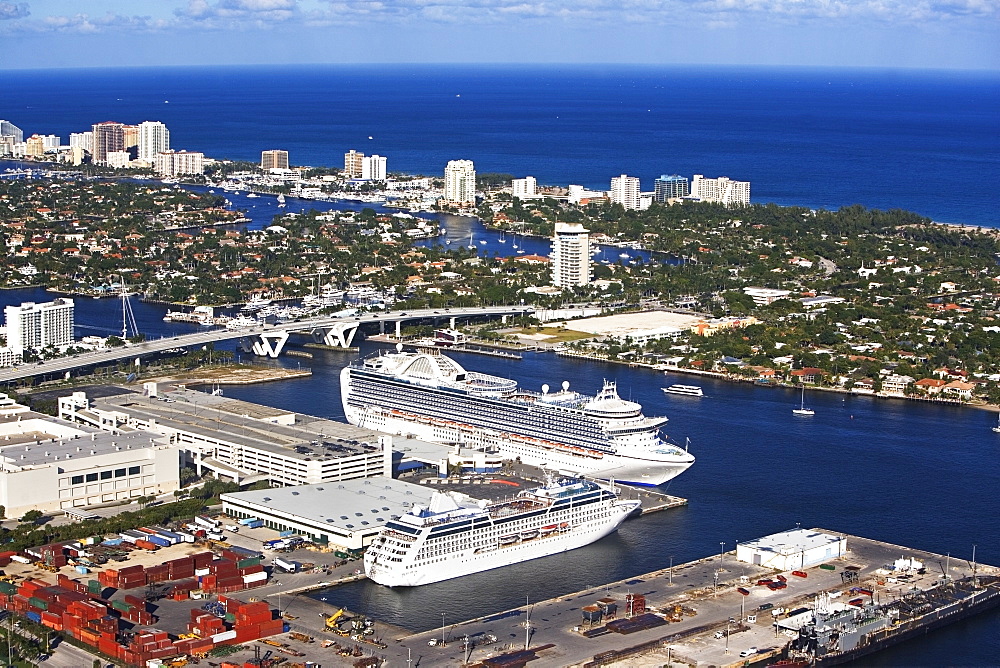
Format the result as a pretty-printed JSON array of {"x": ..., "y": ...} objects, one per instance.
[{"x": 952, "y": 34}]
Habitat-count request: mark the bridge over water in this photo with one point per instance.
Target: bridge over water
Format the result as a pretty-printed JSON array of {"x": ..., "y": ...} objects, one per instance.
[{"x": 264, "y": 340}]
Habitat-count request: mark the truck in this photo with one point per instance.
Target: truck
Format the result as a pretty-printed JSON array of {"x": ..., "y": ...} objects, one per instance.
[
  {"x": 287, "y": 566},
  {"x": 233, "y": 528},
  {"x": 214, "y": 535},
  {"x": 206, "y": 522},
  {"x": 255, "y": 524}
]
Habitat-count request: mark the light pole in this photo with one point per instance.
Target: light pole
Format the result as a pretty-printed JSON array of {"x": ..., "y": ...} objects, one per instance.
[
  {"x": 527, "y": 624},
  {"x": 442, "y": 629},
  {"x": 728, "y": 622},
  {"x": 670, "y": 571}
]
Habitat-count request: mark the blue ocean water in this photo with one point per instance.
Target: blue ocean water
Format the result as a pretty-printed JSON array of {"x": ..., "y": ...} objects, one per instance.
[
  {"x": 908, "y": 473},
  {"x": 927, "y": 141}
]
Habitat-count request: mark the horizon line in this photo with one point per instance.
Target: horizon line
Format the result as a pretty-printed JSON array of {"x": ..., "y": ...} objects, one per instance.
[{"x": 525, "y": 65}]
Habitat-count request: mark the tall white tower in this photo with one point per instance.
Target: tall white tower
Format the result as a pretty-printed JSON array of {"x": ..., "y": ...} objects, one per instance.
[
  {"x": 625, "y": 191},
  {"x": 373, "y": 168},
  {"x": 460, "y": 183},
  {"x": 153, "y": 138},
  {"x": 32, "y": 325},
  {"x": 570, "y": 255}
]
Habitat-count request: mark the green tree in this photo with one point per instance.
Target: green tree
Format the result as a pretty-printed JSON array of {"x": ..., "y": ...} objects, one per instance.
[{"x": 32, "y": 516}]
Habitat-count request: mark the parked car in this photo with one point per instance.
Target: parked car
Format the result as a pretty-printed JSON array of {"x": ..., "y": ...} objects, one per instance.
[{"x": 750, "y": 651}]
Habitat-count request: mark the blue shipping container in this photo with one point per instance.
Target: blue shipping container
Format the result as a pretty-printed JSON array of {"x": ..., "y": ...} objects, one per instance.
[
  {"x": 286, "y": 534},
  {"x": 82, "y": 570},
  {"x": 156, "y": 540},
  {"x": 247, "y": 521},
  {"x": 112, "y": 541},
  {"x": 256, "y": 524},
  {"x": 33, "y": 616}
]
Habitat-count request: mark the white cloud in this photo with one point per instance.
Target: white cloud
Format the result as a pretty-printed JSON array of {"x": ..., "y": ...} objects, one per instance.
[
  {"x": 229, "y": 15},
  {"x": 10, "y": 11}
]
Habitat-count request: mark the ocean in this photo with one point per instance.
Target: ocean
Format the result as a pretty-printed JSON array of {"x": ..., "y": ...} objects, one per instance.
[
  {"x": 909, "y": 473},
  {"x": 926, "y": 141}
]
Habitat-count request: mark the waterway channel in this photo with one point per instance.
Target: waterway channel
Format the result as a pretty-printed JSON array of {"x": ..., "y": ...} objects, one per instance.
[{"x": 909, "y": 473}]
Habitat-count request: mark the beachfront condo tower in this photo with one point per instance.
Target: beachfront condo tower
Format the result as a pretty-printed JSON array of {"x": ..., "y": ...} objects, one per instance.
[
  {"x": 274, "y": 159},
  {"x": 373, "y": 168},
  {"x": 353, "y": 164},
  {"x": 721, "y": 190},
  {"x": 108, "y": 137},
  {"x": 625, "y": 191},
  {"x": 570, "y": 255},
  {"x": 668, "y": 187},
  {"x": 460, "y": 183},
  {"x": 153, "y": 138}
]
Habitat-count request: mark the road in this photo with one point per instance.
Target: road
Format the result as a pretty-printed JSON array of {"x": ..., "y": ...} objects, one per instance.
[{"x": 196, "y": 339}]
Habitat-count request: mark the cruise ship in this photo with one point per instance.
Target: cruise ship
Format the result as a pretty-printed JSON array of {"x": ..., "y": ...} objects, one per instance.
[
  {"x": 430, "y": 396},
  {"x": 456, "y": 535}
]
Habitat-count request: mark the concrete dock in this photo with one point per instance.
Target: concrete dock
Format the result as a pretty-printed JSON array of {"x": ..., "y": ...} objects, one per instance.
[{"x": 711, "y": 622}]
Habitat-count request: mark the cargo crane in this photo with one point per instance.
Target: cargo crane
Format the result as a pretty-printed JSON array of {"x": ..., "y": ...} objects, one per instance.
[{"x": 331, "y": 621}]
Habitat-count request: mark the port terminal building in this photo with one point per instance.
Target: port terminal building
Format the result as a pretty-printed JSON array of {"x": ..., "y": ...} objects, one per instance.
[
  {"x": 246, "y": 442},
  {"x": 349, "y": 513},
  {"x": 52, "y": 464},
  {"x": 792, "y": 550}
]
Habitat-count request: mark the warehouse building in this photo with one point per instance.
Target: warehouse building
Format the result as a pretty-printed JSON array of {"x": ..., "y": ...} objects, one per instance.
[
  {"x": 348, "y": 513},
  {"x": 50, "y": 464},
  {"x": 238, "y": 440},
  {"x": 792, "y": 549}
]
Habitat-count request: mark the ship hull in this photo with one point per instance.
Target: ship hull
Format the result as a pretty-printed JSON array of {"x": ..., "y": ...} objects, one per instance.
[
  {"x": 632, "y": 469},
  {"x": 471, "y": 561}
]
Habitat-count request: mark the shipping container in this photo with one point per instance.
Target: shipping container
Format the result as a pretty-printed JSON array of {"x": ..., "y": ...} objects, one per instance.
[
  {"x": 256, "y": 524},
  {"x": 207, "y": 522}
]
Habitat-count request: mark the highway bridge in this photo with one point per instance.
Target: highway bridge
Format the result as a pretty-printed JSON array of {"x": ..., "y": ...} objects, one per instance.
[{"x": 264, "y": 340}]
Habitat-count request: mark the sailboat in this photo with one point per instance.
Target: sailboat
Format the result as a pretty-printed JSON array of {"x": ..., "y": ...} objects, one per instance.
[
  {"x": 802, "y": 410},
  {"x": 472, "y": 243},
  {"x": 281, "y": 200},
  {"x": 514, "y": 244},
  {"x": 503, "y": 236},
  {"x": 997, "y": 428}
]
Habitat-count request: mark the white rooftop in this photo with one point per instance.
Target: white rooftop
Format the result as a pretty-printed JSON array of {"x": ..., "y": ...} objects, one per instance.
[
  {"x": 363, "y": 505},
  {"x": 791, "y": 542}
]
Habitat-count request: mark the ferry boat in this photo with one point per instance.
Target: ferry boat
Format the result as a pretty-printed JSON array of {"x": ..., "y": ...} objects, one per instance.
[
  {"x": 686, "y": 390},
  {"x": 456, "y": 535},
  {"x": 431, "y": 396}
]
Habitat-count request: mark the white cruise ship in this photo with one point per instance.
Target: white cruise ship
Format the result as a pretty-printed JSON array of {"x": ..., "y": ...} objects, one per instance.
[
  {"x": 457, "y": 535},
  {"x": 432, "y": 397}
]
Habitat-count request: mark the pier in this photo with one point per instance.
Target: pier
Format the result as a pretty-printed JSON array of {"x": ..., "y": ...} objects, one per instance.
[{"x": 694, "y": 614}]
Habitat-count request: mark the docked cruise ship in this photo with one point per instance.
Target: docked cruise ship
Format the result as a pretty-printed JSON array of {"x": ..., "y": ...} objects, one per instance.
[
  {"x": 456, "y": 535},
  {"x": 432, "y": 397}
]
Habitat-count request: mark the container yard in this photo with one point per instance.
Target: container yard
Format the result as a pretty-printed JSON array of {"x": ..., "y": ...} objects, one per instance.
[{"x": 156, "y": 593}]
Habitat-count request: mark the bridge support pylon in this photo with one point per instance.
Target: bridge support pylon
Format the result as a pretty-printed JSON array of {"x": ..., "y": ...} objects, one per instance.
[
  {"x": 337, "y": 335},
  {"x": 268, "y": 344}
]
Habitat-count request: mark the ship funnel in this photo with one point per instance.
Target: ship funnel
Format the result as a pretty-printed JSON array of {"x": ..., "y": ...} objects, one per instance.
[
  {"x": 545, "y": 388},
  {"x": 565, "y": 385}
]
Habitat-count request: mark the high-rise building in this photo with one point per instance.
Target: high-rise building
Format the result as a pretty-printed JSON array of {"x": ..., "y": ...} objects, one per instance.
[
  {"x": 570, "y": 255},
  {"x": 50, "y": 142},
  {"x": 35, "y": 326},
  {"x": 8, "y": 129},
  {"x": 721, "y": 190},
  {"x": 625, "y": 191},
  {"x": 108, "y": 136},
  {"x": 130, "y": 135},
  {"x": 373, "y": 168},
  {"x": 460, "y": 183},
  {"x": 84, "y": 140},
  {"x": 274, "y": 159},
  {"x": 173, "y": 163},
  {"x": 524, "y": 188},
  {"x": 353, "y": 164},
  {"x": 153, "y": 138},
  {"x": 34, "y": 147},
  {"x": 669, "y": 187}
]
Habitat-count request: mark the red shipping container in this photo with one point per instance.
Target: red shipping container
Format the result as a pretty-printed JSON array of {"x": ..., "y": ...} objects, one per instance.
[{"x": 202, "y": 559}]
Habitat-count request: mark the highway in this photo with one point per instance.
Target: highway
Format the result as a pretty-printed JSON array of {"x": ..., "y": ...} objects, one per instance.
[{"x": 107, "y": 356}]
